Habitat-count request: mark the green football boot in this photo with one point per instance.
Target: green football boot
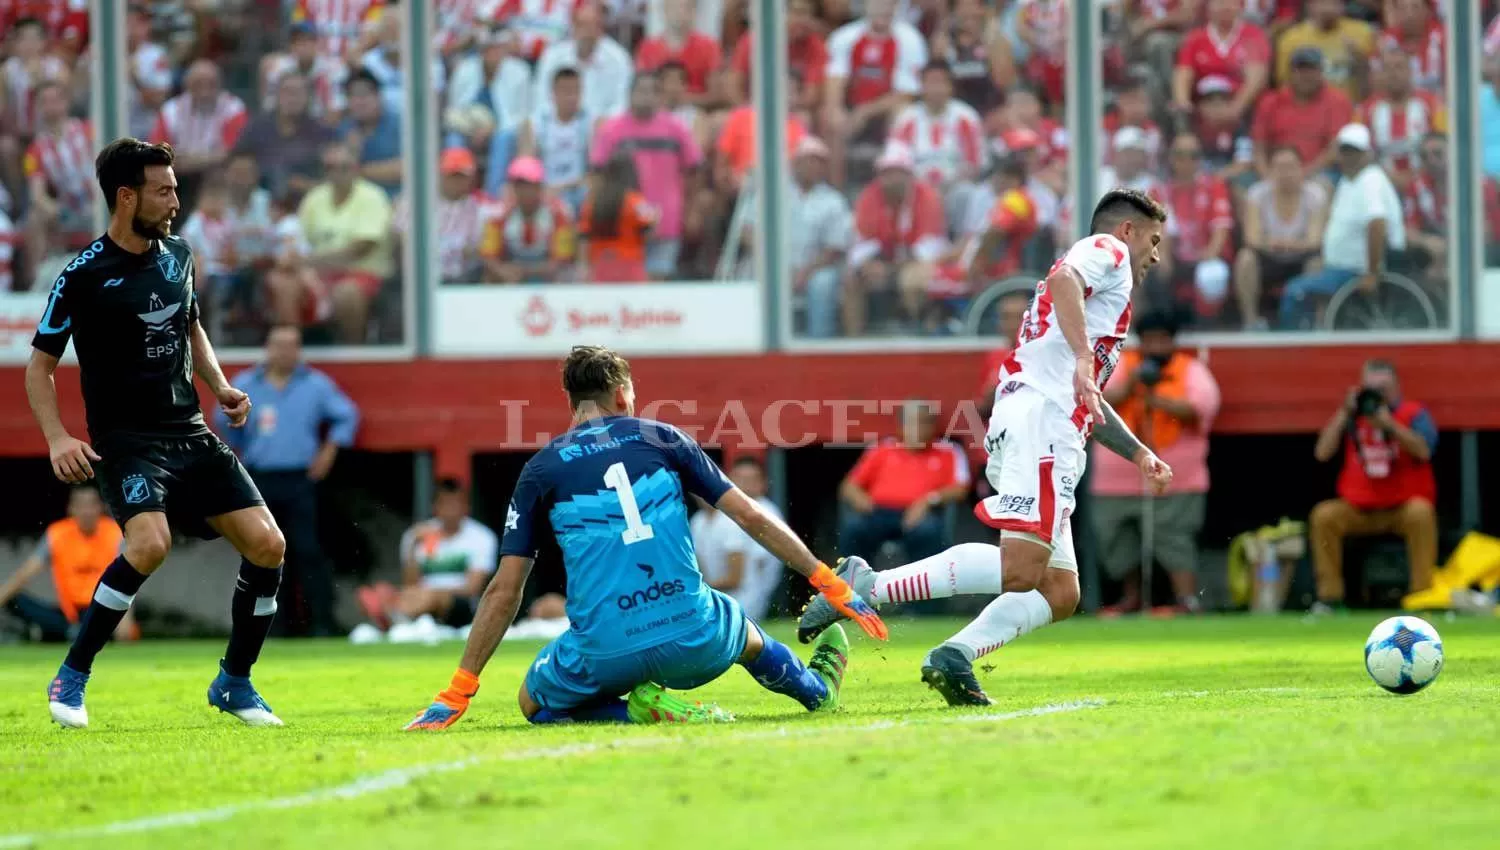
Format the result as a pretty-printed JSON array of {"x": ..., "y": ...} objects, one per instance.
[
  {"x": 830, "y": 658},
  {"x": 651, "y": 703}
]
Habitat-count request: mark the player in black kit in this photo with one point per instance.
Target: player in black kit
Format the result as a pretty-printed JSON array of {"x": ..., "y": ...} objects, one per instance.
[{"x": 128, "y": 305}]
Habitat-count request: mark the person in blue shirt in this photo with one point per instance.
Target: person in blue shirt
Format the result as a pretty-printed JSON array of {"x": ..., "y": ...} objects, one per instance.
[
  {"x": 613, "y": 491},
  {"x": 300, "y": 421}
]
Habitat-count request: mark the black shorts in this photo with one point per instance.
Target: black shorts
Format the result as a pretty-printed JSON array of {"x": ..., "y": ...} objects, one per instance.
[
  {"x": 461, "y": 612},
  {"x": 1277, "y": 268},
  {"x": 188, "y": 478}
]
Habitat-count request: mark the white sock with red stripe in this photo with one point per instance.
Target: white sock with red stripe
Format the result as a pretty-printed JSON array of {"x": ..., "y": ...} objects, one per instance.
[
  {"x": 963, "y": 569},
  {"x": 1002, "y": 621}
]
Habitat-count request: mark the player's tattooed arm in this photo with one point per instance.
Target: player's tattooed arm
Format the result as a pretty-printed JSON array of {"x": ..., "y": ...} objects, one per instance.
[{"x": 1114, "y": 434}]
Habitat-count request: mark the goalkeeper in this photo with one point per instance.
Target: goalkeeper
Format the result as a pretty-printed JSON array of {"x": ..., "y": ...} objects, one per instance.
[{"x": 612, "y": 491}]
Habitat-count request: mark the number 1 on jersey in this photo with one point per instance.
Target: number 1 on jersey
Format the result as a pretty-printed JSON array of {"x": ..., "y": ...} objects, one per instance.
[{"x": 616, "y": 479}]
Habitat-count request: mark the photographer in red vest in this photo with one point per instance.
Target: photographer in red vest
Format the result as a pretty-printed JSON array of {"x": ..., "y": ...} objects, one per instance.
[{"x": 1386, "y": 485}]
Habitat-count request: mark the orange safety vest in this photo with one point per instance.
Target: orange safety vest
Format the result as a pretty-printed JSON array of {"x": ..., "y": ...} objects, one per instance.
[
  {"x": 1162, "y": 429},
  {"x": 78, "y": 560}
]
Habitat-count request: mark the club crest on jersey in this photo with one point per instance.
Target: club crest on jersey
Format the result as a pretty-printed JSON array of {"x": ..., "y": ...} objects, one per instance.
[
  {"x": 170, "y": 267},
  {"x": 135, "y": 489}
]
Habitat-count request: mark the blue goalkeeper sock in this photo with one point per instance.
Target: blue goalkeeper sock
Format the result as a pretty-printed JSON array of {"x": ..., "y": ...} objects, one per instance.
[
  {"x": 778, "y": 669},
  {"x": 602, "y": 711}
]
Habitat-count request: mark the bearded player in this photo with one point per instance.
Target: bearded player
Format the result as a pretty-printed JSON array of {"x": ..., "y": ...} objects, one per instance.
[
  {"x": 128, "y": 306},
  {"x": 1047, "y": 404}
]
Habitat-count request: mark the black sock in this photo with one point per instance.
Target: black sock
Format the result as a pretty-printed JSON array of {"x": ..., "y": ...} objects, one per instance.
[
  {"x": 252, "y": 609},
  {"x": 112, "y": 597}
]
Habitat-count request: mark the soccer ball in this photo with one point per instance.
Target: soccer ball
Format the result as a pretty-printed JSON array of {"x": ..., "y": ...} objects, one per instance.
[{"x": 1404, "y": 654}]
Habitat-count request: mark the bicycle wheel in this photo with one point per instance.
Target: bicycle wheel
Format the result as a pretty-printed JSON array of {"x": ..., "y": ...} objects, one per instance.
[{"x": 1397, "y": 303}]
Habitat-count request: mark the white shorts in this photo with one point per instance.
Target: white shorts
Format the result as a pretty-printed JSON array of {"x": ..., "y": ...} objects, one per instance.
[{"x": 1037, "y": 456}]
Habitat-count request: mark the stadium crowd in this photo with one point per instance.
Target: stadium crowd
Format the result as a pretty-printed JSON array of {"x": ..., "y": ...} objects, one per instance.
[{"x": 611, "y": 142}]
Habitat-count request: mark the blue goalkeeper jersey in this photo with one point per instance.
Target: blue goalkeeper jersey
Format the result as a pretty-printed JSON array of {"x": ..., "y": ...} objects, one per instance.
[{"x": 613, "y": 493}]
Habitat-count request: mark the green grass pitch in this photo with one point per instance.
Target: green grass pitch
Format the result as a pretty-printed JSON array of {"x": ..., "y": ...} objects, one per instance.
[{"x": 1217, "y": 733}]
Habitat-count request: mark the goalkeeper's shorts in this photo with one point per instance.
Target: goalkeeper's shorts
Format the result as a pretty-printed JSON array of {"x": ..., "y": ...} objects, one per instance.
[{"x": 563, "y": 677}]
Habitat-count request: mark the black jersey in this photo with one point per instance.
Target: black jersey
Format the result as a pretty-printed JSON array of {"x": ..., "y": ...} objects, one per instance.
[{"x": 129, "y": 317}]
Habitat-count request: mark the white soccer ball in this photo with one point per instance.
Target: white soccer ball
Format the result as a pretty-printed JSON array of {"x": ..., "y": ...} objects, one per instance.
[{"x": 1404, "y": 654}]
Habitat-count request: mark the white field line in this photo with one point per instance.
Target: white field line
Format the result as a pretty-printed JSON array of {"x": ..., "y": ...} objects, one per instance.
[{"x": 401, "y": 777}]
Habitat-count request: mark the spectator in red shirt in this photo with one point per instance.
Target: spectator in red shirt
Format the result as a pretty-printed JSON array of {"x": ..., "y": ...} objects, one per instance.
[
  {"x": 1199, "y": 228},
  {"x": 1306, "y": 114},
  {"x": 1226, "y": 46},
  {"x": 697, "y": 53},
  {"x": 1418, "y": 32},
  {"x": 899, "y": 238},
  {"x": 873, "y": 69},
  {"x": 806, "y": 55},
  {"x": 898, "y": 488}
]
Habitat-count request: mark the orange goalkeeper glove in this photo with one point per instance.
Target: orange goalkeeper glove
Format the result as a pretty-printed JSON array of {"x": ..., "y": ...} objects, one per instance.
[
  {"x": 450, "y": 704},
  {"x": 844, "y": 600}
]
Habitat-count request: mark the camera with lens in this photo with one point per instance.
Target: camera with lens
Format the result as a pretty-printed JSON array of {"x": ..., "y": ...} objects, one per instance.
[
  {"x": 1149, "y": 373},
  {"x": 1367, "y": 402}
]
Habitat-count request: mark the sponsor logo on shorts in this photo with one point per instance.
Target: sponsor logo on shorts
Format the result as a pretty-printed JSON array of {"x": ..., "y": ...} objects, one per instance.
[
  {"x": 135, "y": 489},
  {"x": 1013, "y": 505}
]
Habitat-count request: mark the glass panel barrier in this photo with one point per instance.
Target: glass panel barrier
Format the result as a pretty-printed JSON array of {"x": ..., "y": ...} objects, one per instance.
[
  {"x": 287, "y": 120},
  {"x": 47, "y": 144},
  {"x": 1279, "y": 134},
  {"x": 928, "y": 164},
  {"x": 589, "y": 144}
]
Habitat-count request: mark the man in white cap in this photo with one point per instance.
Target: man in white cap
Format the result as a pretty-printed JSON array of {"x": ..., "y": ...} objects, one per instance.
[
  {"x": 1131, "y": 161},
  {"x": 1365, "y": 221}
]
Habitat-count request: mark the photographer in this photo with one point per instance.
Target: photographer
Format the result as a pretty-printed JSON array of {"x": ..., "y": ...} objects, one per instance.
[
  {"x": 1169, "y": 399},
  {"x": 1386, "y": 485}
]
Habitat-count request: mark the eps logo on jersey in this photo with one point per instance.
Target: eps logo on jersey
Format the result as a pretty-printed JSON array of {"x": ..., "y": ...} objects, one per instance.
[
  {"x": 161, "y": 337},
  {"x": 653, "y": 592}
]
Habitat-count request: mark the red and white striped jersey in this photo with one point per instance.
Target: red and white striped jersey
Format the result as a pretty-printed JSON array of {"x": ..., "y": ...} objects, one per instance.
[
  {"x": 512, "y": 235},
  {"x": 1042, "y": 357},
  {"x": 539, "y": 23},
  {"x": 1397, "y": 128},
  {"x": 338, "y": 22},
  {"x": 460, "y": 227},
  {"x": 1427, "y": 205},
  {"x": 325, "y": 83},
  {"x": 10, "y": 239},
  {"x": 194, "y": 131},
  {"x": 65, "y": 20},
  {"x": 1429, "y": 55},
  {"x": 942, "y": 144},
  {"x": 65, "y": 160},
  {"x": 212, "y": 241},
  {"x": 457, "y": 20},
  {"x": 20, "y": 88},
  {"x": 875, "y": 65},
  {"x": 1048, "y": 20}
]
